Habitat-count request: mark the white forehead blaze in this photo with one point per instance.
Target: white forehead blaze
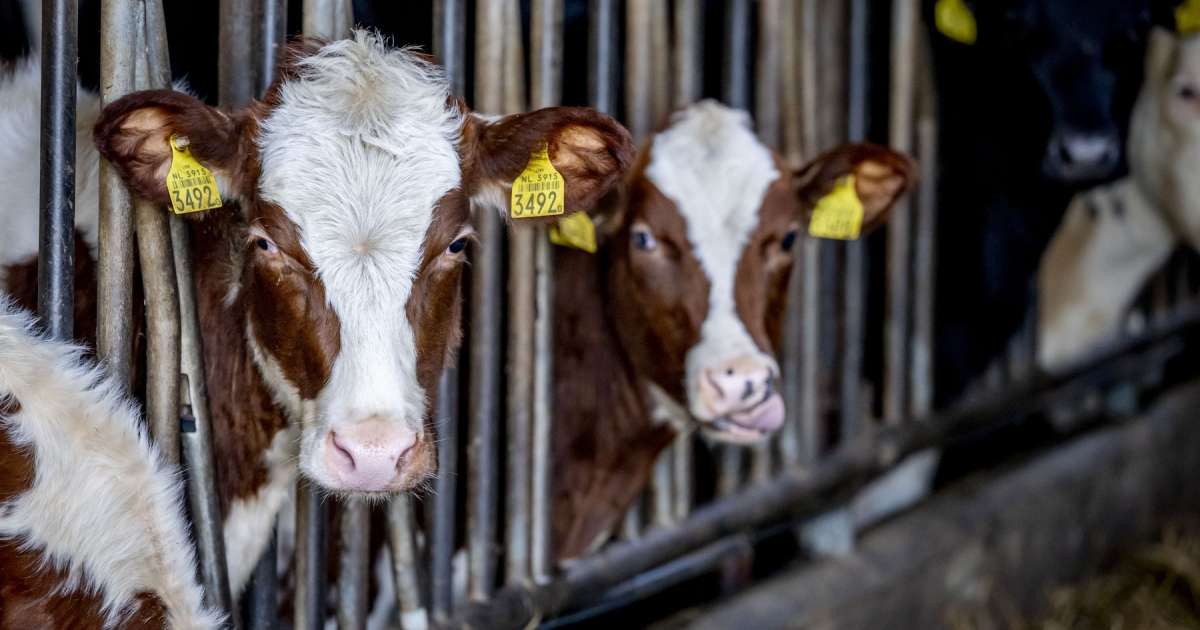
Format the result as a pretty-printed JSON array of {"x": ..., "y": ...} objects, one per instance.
[
  {"x": 358, "y": 152},
  {"x": 716, "y": 171}
]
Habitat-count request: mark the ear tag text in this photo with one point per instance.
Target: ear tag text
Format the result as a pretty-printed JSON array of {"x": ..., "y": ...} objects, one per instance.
[
  {"x": 839, "y": 214},
  {"x": 191, "y": 187},
  {"x": 1187, "y": 17},
  {"x": 955, "y": 20},
  {"x": 539, "y": 190},
  {"x": 575, "y": 230}
]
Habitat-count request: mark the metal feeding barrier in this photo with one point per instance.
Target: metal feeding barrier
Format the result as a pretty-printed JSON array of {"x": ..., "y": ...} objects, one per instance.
[{"x": 805, "y": 69}]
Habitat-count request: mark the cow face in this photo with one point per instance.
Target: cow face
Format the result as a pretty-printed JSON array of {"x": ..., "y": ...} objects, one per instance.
[
  {"x": 1077, "y": 52},
  {"x": 701, "y": 251},
  {"x": 352, "y": 181}
]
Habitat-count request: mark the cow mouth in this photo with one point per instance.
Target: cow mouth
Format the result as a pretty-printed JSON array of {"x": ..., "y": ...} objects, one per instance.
[{"x": 747, "y": 426}]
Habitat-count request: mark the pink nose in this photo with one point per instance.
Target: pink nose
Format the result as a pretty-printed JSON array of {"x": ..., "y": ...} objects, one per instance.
[
  {"x": 743, "y": 391},
  {"x": 367, "y": 456}
]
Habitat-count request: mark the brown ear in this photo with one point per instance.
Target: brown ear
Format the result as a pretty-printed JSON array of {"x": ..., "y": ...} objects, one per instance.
[
  {"x": 590, "y": 150},
  {"x": 881, "y": 176},
  {"x": 133, "y": 134}
]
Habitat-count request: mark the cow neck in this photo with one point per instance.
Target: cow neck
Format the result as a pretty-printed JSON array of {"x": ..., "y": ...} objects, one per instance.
[
  {"x": 245, "y": 419},
  {"x": 605, "y": 438}
]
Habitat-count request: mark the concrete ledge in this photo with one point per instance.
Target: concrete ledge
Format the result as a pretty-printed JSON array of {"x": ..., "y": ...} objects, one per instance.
[{"x": 997, "y": 543}]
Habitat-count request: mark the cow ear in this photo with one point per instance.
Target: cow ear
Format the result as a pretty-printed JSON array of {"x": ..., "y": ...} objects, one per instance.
[
  {"x": 133, "y": 133},
  {"x": 589, "y": 150},
  {"x": 881, "y": 176}
]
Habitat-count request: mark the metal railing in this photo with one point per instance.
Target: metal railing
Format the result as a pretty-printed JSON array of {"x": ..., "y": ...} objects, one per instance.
[{"x": 804, "y": 68}]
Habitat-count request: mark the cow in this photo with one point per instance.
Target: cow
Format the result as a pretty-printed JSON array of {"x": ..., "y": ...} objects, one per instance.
[
  {"x": 92, "y": 533},
  {"x": 1033, "y": 102},
  {"x": 673, "y": 324},
  {"x": 1114, "y": 237},
  {"x": 328, "y": 284}
]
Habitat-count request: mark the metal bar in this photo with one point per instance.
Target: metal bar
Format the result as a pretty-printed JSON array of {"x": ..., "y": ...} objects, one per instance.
[
  {"x": 638, "y": 68},
  {"x": 442, "y": 543},
  {"x": 449, "y": 41},
  {"x": 486, "y": 296},
  {"x": 660, "y": 65},
  {"x": 328, "y": 19},
  {"x": 855, "y": 272},
  {"x": 56, "y": 225},
  {"x": 924, "y": 277},
  {"x": 311, "y": 514},
  {"x": 806, "y": 391},
  {"x": 546, "y": 90},
  {"x": 240, "y": 71},
  {"x": 262, "y": 608},
  {"x": 354, "y": 564},
  {"x": 790, "y": 354},
  {"x": 602, "y": 55},
  {"x": 196, "y": 431},
  {"x": 272, "y": 21},
  {"x": 521, "y": 313},
  {"x": 735, "y": 78},
  {"x": 798, "y": 494},
  {"x": 449, "y": 32},
  {"x": 899, "y": 233},
  {"x": 120, "y": 29},
  {"x": 402, "y": 540}
]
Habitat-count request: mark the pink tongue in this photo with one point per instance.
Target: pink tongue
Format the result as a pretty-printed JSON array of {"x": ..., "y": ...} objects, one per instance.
[{"x": 768, "y": 416}]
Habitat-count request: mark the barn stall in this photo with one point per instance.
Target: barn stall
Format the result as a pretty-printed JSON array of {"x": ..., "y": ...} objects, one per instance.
[{"x": 810, "y": 512}]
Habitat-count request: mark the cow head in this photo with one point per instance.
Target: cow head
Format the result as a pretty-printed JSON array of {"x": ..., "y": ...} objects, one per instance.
[
  {"x": 1078, "y": 52},
  {"x": 701, "y": 249},
  {"x": 352, "y": 183}
]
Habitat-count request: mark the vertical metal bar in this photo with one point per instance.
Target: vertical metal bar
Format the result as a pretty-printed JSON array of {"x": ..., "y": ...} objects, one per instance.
[
  {"x": 328, "y": 19},
  {"x": 855, "y": 279},
  {"x": 790, "y": 360},
  {"x": 924, "y": 287},
  {"x": 808, "y": 391},
  {"x": 899, "y": 235},
  {"x": 485, "y": 329},
  {"x": 158, "y": 266},
  {"x": 638, "y": 68},
  {"x": 660, "y": 64},
  {"x": 602, "y": 55},
  {"x": 521, "y": 313},
  {"x": 689, "y": 32},
  {"x": 402, "y": 540},
  {"x": 56, "y": 227},
  {"x": 262, "y": 608},
  {"x": 120, "y": 30},
  {"x": 546, "y": 84},
  {"x": 768, "y": 103},
  {"x": 272, "y": 35},
  {"x": 196, "y": 431},
  {"x": 240, "y": 73},
  {"x": 354, "y": 560},
  {"x": 449, "y": 46},
  {"x": 311, "y": 514}
]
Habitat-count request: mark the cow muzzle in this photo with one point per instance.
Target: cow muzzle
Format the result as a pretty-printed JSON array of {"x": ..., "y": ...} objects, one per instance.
[
  {"x": 372, "y": 455},
  {"x": 738, "y": 401}
]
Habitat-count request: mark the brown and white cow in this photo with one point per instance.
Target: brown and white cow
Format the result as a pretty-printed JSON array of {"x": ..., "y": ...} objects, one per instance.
[
  {"x": 1114, "y": 237},
  {"x": 91, "y": 529},
  {"x": 674, "y": 323},
  {"x": 328, "y": 286}
]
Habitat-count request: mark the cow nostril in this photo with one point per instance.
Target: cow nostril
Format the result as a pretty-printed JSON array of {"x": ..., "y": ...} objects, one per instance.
[
  {"x": 747, "y": 389},
  {"x": 341, "y": 450}
]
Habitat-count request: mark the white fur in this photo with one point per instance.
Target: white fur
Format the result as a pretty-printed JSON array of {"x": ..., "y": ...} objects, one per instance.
[
  {"x": 20, "y": 115},
  {"x": 715, "y": 170},
  {"x": 103, "y": 507},
  {"x": 359, "y": 151},
  {"x": 249, "y": 523}
]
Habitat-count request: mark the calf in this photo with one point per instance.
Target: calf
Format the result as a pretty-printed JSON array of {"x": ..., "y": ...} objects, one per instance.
[
  {"x": 328, "y": 286},
  {"x": 91, "y": 530},
  {"x": 1033, "y": 101},
  {"x": 674, "y": 323},
  {"x": 1114, "y": 237}
]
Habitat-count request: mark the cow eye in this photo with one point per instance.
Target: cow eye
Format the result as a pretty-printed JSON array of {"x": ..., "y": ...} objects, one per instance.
[
  {"x": 458, "y": 245},
  {"x": 1187, "y": 92},
  {"x": 789, "y": 240},
  {"x": 643, "y": 240},
  {"x": 266, "y": 245}
]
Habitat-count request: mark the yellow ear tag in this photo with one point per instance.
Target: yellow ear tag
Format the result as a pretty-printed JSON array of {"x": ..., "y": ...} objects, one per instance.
[
  {"x": 955, "y": 20},
  {"x": 1187, "y": 17},
  {"x": 839, "y": 214},
  {"x": 192, "y": 187},
  {"x": 575, "y": 230},
  {"x": 539, "y": 190}
]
